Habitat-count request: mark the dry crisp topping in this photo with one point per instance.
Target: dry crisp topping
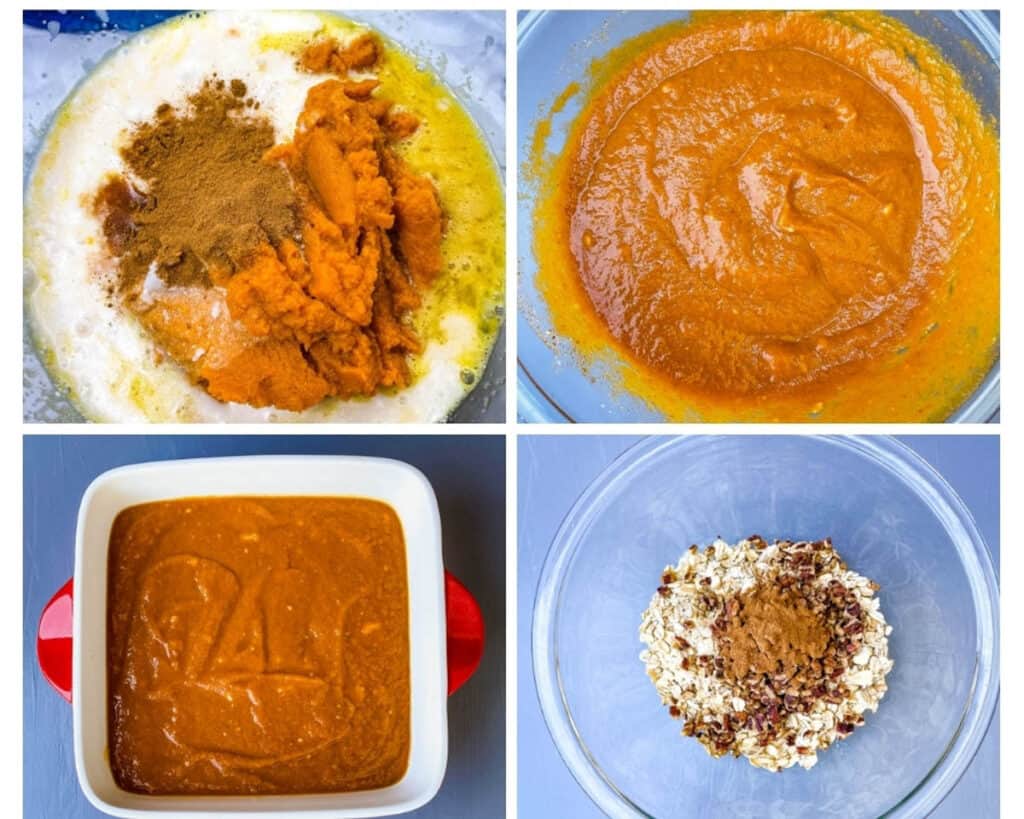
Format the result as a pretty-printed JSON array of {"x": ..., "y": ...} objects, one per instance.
[{"x": 768, "y": 651}]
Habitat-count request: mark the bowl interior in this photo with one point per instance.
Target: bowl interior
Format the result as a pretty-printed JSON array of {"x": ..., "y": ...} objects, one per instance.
[
  {"x": 690, "y": 490},
  {"x": 555, "y": 49},
  {"x": 456, "y": 46}
]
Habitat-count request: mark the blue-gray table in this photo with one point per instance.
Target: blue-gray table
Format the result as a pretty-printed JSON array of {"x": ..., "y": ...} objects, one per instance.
[
  {"x": 468, "y": 475},
  {"x": 553, "y": 470}
]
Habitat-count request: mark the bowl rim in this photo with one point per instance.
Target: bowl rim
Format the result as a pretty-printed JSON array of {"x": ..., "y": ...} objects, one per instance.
[
  {"x": 535, "y": 404},
  {"x": 887, "y": 453}
]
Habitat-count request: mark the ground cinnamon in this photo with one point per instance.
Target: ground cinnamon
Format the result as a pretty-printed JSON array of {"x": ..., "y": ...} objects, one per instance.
[
  {"x": 199, "y": 198},
  {"x": 771, "y": 630}
]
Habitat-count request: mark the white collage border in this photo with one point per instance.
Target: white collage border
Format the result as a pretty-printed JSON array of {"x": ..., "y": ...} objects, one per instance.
[{"x": 12, "y": 427}]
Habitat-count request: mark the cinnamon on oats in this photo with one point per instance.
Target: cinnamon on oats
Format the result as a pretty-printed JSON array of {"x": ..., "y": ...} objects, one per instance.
[
  {"x": 771, "y": 652},
  {"x": 774, "y": 630}
]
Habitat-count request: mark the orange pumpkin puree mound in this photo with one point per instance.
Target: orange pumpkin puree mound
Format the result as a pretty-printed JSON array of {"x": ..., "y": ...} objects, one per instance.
[
  {"x": 781, "y": 216},
  {"x": 324, "y": 315}
]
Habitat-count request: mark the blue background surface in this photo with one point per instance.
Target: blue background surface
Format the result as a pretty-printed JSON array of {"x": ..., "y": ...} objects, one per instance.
[
  {"x": 554, "y": 470},
  {"x": 468, "y": 475},
  {"x": 88, "y": 21}
]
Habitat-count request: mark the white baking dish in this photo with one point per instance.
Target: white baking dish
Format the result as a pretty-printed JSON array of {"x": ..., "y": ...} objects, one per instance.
[{"x": 397, "y": 484}]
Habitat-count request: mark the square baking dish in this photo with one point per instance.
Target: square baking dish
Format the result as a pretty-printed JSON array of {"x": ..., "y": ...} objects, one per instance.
[{"x": 401, "y": 486}]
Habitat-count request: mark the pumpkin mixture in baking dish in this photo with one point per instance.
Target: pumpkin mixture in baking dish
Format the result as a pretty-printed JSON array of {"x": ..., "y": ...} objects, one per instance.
[
  {"x": 778, "y": 216},
  {"x": 289, "y": 221},
  {"x": 258, "y": 645}
]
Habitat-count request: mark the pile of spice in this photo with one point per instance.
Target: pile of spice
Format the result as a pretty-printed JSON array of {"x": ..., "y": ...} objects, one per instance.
[
  {"x": 277, "y": 274},
  {"x": 768, "y": 651}
]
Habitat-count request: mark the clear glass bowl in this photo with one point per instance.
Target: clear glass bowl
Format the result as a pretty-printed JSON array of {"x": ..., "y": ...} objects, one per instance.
[
  {"x": 457, "y": 46},
  {"x": 893, "y": 519},
  {"x": 555, "y": 49}
]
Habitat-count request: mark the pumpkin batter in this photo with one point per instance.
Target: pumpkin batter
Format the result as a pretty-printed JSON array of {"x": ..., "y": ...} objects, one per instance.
[
  {"x": 780, "y": 216},
  {"x": 258, "y": 645}
]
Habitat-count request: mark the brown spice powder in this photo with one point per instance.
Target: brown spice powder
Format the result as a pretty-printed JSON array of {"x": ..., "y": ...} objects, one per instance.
[
  {"x": 209, "y": 199},
  {"x": 773, "y": 631}
]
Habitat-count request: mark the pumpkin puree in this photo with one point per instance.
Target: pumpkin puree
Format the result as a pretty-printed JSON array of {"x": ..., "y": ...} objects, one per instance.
[
  {"x": 337, "y": 303},
  {"x": 321, "y": 313},
  {"x": 778, "y": 216}
]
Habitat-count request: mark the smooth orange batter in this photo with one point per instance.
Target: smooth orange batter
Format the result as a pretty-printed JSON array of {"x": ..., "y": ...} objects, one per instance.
[
  {"x": 780, "y": 216},
  {"x": 258, "y": 645}
]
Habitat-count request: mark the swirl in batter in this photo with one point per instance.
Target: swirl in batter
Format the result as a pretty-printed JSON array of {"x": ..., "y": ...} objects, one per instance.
[{"x": 258, "y": 645}]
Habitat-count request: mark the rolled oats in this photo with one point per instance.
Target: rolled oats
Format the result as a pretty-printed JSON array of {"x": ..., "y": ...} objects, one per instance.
[{"x": 775, "y": 717}]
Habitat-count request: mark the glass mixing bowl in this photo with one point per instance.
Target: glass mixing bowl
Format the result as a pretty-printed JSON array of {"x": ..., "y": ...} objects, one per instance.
[
  {"x": 891, "y": 517},
  {"x": 61, "y": 48},
  {"x": 555, "y": 49}
]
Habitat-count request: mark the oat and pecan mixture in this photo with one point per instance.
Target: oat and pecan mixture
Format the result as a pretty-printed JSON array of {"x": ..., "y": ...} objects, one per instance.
[{"x": 769, "y": 651}]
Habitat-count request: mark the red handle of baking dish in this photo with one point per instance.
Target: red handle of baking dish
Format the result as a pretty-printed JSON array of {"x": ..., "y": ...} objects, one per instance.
[
  {"x": 465, "y": 625},
  {"x": 53, "y": 640}
]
